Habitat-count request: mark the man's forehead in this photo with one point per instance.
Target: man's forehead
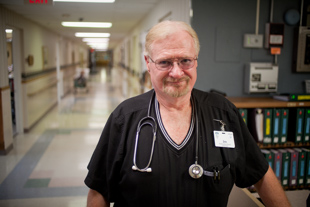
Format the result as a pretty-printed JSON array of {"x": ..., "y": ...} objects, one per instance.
[{"x": 177, "y": 45}]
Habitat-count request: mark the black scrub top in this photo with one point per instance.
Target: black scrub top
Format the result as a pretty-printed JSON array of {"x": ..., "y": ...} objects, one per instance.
[{"x": 169, "y": 183}]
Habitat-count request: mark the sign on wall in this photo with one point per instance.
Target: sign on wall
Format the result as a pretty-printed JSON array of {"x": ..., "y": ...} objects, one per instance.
[{"x": 38, "y": 2}]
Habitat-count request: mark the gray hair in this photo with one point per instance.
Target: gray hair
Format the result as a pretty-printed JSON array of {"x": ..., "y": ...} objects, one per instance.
[{"x": 166, "y": 28}]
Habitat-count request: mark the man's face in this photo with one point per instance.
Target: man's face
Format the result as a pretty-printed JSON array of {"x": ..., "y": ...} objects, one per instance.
[{"x": 175, "y": 82}]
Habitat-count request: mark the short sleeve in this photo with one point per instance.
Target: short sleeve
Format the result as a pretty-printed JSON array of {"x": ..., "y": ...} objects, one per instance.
[
  {"x": 253, "y": 165},
  {"x": 104, "y": 166}
]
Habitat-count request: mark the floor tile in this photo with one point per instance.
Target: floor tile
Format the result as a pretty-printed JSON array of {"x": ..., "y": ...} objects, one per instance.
[{"x": 37, "y": 183}]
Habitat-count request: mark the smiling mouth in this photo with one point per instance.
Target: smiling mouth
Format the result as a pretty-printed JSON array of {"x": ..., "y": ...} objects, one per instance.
[{"x": 176, "y": 81}]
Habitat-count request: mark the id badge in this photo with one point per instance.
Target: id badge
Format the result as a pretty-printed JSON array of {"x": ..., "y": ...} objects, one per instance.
[{"x": 224, "y": 139}]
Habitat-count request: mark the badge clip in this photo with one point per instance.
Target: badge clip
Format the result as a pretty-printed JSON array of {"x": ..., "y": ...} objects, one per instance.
[{"x": 222, "y": 124}]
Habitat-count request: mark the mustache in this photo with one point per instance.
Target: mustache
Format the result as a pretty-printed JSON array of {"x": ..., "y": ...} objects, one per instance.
[{"x": 169, "y": 79}]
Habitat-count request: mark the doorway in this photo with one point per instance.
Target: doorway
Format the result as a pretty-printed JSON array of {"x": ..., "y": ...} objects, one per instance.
[{"x": 15, "y": 64}]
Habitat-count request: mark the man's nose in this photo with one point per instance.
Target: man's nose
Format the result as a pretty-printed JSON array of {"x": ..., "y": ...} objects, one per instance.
[{"x": 176, "y": 71}]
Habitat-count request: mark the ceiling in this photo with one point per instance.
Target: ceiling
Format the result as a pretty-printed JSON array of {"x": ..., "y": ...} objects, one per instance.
[{"x": 124, "y": 15}]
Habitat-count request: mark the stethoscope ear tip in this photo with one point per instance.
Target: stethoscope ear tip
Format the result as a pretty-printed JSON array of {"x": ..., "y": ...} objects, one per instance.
[{"x": 141, "y": 170}]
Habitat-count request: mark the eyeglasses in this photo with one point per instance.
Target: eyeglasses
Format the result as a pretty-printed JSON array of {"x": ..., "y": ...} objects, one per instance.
[{"x": 167, "y": 64}]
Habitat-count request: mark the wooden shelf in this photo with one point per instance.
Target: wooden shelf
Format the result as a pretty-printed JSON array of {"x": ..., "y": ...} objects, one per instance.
[
  {"x": 265, "y": 102},
  {"x": 288, "y": 144},
  {"x": 287, "y": 188}
]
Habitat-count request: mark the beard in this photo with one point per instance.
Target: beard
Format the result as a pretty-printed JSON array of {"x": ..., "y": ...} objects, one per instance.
[{"x": 177, "y": 90}]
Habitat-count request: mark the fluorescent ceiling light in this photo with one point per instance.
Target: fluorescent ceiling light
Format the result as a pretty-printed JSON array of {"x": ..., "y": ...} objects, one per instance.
[
  {"x": 98, "y": 45},
  {"x": 87, "y": 1},
  {"x": 8, "y": 30},
  {"x": 99, "y": 48},
  {"x": 87, "y": 24},
  {"x": 89, "y": 34},
  {"x": 95, "y": 39}
]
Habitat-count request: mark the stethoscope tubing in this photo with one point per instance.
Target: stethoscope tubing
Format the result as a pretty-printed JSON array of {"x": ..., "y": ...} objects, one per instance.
[
  {"x": 142, "y": 123},
  {"x": 147, "y": 168}
]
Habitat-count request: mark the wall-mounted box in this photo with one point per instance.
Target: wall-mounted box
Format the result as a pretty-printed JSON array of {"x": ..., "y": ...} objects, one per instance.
[
  {"x": 261, "y": 78},
  {"x": 253, "y": 41},
  {"x": 274, "y": 35}
]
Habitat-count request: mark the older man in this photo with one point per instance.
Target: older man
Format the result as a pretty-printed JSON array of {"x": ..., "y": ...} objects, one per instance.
[{"x": 176, "y": 145}]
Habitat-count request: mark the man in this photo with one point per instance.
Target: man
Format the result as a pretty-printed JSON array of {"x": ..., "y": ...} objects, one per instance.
[{"x": 186, "y": 165}]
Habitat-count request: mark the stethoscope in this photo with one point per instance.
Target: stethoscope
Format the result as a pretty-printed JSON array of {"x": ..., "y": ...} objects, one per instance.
[
  {"x": 195, "y": 170},
  {"x": 143, "y": 122}
]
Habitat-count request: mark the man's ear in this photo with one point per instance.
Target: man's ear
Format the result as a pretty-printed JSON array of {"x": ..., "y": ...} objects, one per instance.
[
  {"x": 146, "y": 59},
  {"x": 147, "y": 62}
]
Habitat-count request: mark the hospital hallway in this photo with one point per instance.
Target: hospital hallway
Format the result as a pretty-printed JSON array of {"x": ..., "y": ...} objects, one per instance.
[{"x": 47, "y": 165}]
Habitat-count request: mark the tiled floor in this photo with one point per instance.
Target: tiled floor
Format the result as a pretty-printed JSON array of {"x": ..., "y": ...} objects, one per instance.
[{"x": 47, "y": 166}]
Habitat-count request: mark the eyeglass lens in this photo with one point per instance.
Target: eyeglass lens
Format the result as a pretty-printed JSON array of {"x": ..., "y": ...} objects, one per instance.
[{"x": 184, "y": 63}]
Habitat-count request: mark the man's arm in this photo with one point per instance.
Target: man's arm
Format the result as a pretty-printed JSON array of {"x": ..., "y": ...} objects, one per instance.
[
  {"x": 271, "y": 191},
  {"x": 95, "y": 199}
]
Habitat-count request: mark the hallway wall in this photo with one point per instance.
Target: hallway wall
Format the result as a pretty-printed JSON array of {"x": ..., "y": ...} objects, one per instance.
[{"x": 39, "y": 80}]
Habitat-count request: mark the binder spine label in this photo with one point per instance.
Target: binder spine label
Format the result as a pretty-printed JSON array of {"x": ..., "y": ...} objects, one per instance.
[
  {"x": 294, "y": 168},
  {"x": 278, "y": 167},
  {"x": 268, "y": 130},
  {"x": 294, "y": 173},
  {"x": 284, "y": 126},
  {"x": 302, "y": 168},
  {"x": 285, "y": 167},
  {"x": 299, "y": 129},
  {"x": 276, "y": 126}
]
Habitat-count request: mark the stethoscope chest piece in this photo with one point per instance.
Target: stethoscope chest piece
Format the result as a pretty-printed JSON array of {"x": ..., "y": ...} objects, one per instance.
[{"x": 195, "y": 171}]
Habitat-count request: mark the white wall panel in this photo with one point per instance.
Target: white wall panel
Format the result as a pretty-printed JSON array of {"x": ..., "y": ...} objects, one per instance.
[{"x": 40, "y": 95}]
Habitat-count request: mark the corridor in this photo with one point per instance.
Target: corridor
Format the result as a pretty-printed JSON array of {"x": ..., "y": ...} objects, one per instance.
[{"x": 47, "y": 165}]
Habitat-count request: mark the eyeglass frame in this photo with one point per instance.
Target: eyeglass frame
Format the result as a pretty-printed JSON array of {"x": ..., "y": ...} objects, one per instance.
[{"x": 171, "y": 66}]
